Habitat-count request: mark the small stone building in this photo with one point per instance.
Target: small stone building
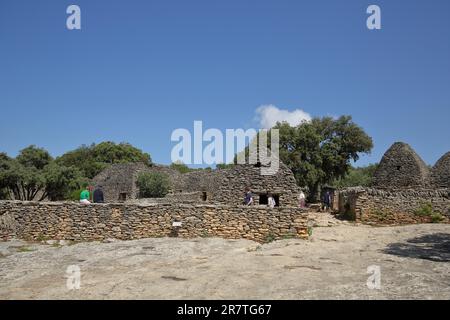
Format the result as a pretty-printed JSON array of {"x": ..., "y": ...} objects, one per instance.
[
  {"x": 119, "y": 180},
  {"x": 441, "y": 172},
  {"x": 405, "y": 190},
  {"x": 227, "y": 186},
  {"x": 221, "y": 186},
  {"x": 401, "y": 167}
]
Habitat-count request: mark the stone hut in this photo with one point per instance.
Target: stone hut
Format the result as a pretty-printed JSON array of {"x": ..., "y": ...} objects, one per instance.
[
  {"x": 227, "y": 186},
  {"x": 220, "y": 186},
  {"x": 119, "y": 180},
  {"x": 441, "y": 172},
  {"x": 401, "y": 167}
]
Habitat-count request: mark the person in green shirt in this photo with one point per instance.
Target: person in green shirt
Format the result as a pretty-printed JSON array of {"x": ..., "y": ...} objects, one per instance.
[{"x": 84, "y": 196}]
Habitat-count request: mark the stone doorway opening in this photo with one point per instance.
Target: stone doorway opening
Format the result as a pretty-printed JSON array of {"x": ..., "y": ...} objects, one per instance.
[
  {"x": 122, "y": 196},
  {"x": 264, "y": 199}
]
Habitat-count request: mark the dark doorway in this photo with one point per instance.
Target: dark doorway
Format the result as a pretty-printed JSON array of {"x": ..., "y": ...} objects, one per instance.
[
  {"x": 276, "y": 197},
  {"x": 263, "y": 198},
  {"x": 204, "y": 196},
  {"x": 122, "y": 196}
]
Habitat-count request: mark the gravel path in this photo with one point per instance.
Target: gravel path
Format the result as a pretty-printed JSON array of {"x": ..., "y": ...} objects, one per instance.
[{"x": 414, "y": 262}]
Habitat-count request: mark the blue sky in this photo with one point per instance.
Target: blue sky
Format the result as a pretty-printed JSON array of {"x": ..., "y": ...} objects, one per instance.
[{"x": 140, "y": 69}]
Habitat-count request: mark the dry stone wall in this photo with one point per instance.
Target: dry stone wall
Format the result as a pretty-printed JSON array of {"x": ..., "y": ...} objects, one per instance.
[
  {"x": 393, "y": 206},
  {"x": 78, "y": 222}
]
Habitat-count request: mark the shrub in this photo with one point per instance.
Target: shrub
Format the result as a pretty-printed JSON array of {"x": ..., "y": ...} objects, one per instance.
[
  {"x": 74, "y": 195},
  {"x": 436, "y": 217},
  {"x": 270, "y": 238},
  {"x": 426, "y": 209},
  {"x": 153, "y": 185},
  {"x": 382, "y": 215},
  {"x": 180, "y": 167}
]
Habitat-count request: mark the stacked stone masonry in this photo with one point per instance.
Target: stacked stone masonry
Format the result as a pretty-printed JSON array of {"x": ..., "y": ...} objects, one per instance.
[
  {"x": 78, "y": 222},
  {"x": 401, "y": 167},
  {"x": 403, "y": 185},
  {"x": 220, "y": 186},
  {"x": 393, "y": 206}
]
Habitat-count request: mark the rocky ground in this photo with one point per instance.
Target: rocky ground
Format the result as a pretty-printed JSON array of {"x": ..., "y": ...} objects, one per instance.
[{"x": 414, "y": 262}]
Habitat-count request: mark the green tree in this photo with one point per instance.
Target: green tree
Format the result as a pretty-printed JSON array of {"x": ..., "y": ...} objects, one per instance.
[
  {"x": 224, "y": 165},
  {"x": 61, "y": 181},
  {"x": 34, "y": 157},
  {"x": 361, "y": 176},
  {"x": 24, "y": 182},
  {"x": 91, "y": 160},
  {"x": 180, "y": 167},
  {"x": 153, "y": 184},
  {"x": 34, "y": 175},
  {"x": 321, "y": 150},
  {"x": 4, "y": 165}
]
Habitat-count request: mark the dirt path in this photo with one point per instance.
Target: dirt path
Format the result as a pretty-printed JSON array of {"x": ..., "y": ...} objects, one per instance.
[{"x": 414, "y": 263}]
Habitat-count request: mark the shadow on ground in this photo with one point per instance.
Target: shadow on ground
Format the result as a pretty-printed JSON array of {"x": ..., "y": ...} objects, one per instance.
[{"x": 434, "y": 247}]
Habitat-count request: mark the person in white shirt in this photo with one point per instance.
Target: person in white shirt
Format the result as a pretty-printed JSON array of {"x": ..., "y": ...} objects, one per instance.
[
  {"x": 301, "y": 199},
  {"x": 271, "y": 201}
]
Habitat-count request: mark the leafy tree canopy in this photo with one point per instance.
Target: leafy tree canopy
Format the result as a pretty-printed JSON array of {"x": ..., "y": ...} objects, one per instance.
[
  {"x": 361, "y": 176},
  {"x": 153, "y": 184},
  {"x": 321, "y": 151},
  {"x": 91, "y": 160},
  {"x": 35, "y": 175},
  {"x": 180, "y": 167}
]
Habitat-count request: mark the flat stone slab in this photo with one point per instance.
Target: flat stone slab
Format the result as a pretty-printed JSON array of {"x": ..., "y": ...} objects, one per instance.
[{"x": 414, "y": 262}]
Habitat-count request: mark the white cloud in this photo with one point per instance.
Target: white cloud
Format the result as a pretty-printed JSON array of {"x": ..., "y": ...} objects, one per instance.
[{"x": 269, "y": 115}]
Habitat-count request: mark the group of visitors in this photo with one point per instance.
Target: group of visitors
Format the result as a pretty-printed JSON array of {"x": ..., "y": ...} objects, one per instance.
[
  {"x": 271, "y": 202},
  {"x": 97, "y": 196}
]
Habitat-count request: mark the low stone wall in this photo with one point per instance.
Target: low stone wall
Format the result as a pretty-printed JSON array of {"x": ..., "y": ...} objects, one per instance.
[
  {"x": 77, "y": 222},
  {"x": 393, "y": 206}
]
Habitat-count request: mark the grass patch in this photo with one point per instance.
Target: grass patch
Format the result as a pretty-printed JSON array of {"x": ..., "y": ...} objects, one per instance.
[
  {"x": 425, "y": 210},
  {"x": 380, "y": 214},
  {"x": 205, "y": 234},
  {"x": 436, "y": 217},
  {"x": 288, "y": 236},
  {"x": 24, "y": 249},
  {"x": 42, "y": 238},
  {"x": 270, "y": 238}
]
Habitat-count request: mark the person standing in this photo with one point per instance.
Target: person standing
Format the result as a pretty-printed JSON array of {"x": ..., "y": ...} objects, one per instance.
[
  {"x": 84, "y": 196},
  {"x": 327, "y": 200},
  {"x": 98, "y": 195},
  {"x": 271, "y": 201},
  {"x": 302, "y": 199},
  {"x": 248, "y": 200}
]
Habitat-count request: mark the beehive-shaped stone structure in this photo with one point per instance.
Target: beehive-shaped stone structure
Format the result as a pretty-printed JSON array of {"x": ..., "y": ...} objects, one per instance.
[
  {"x": 401, "y": 167},
  {"x": 441, "y": 172}
]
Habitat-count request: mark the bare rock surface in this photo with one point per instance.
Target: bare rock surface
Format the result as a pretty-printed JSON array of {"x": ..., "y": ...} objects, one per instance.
[{"x": 414, "y": 261}]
